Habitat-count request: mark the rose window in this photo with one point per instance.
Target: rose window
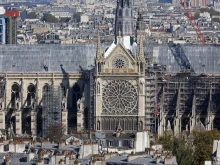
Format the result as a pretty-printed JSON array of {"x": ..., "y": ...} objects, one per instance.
[
  {"x": 120, "y": 62},
  {"x": 119, "y": 97}
]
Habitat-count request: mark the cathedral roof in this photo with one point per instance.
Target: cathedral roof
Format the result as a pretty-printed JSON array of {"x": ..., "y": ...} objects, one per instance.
[
  {"x": 46, "y": 58},
  {"x": 33, "y": 58}
]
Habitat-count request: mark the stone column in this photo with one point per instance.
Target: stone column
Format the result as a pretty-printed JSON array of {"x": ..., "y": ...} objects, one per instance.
[
  {"x": 2, "y": 119},
  {"x": 193, "y": 115},
  {"x": 79, "y": 121},
  {"x": 33, "y": 122},
  {"x": 64, "y": 121},
  {"x": 176, "y": 127},
  {"x": 18, "y": 118}
]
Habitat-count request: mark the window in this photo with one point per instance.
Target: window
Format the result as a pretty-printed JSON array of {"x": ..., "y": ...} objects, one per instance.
[
  {"x": 127, "y": 12},
  {"x": 6, "y": 147},
  {"x": 110, "y": 143},
  {"x": 120, "y": 12},
  {"x": 120, "y": 143},
  {"x": 99, "y": 67}
]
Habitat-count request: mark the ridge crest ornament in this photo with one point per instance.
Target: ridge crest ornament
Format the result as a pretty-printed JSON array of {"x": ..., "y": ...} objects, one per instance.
[{"x": 119, "y": 98}]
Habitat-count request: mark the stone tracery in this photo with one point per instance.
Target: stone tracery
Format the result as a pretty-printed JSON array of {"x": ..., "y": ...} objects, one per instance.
[
  {"x": 120, "y": 62},
  {"x": 119, "y": 97}
]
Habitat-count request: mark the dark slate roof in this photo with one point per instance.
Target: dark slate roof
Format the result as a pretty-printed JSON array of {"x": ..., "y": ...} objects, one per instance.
[
  {"x": 146, "y": 159},
  {"x": 34, "y": 58},
  {"x": 203, "y": 59}
]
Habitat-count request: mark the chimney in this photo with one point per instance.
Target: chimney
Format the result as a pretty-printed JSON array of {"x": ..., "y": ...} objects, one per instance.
[
  {"x": 61, "y": 161},
  {"x": 61, "y": 144},
  {"x": 118, "y": 133},
  {"x": 168, "y": 160},
  {"x": 30, "y": 156},
  {"x": 42, "y": 144},
  {"x": 39, "y": 162},
  {"x": 67, "y": 159},
  {"x": 158, "y": 159},
  {"x": 7, "y": 160},
  {"x": 132, "y": 157}
]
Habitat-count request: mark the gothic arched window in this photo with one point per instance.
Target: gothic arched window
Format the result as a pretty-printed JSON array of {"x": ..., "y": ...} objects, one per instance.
[
  {"x": 86, "y": 118},
  {"x": 120, "y": 13},
  {"x": 63, "y": 89},
  {"x": 98, "y": 125},
  {"x": 76, "y": 95},
  {"x": 127, "y": 13},
  {"x": 98, "y": 88},
  {"x": 15, "y": 88},
  {"x": 31, "y": 95},
  {"x": 140, "y": 125},
  {"x": 99, "y": 67}
]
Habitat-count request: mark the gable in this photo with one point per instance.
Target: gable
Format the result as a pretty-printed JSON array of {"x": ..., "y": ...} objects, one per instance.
[{"x": 120, "y": 58}]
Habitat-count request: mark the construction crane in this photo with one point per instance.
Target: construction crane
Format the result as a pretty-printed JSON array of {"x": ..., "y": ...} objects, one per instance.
[{"x": 193, "y": 22}]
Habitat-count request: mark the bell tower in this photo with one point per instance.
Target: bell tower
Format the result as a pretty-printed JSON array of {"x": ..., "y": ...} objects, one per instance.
[{"x": 124, "y": 21}]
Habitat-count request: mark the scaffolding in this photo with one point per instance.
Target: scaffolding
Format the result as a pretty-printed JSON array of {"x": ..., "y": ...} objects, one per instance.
[
  {"x": 188, "y": 85},
  {"x": 2, "y": 91},
  {"x": 91, "y": 104},
  {"x": 153, "y": 88},
  {"x": 52, "y": 98}
]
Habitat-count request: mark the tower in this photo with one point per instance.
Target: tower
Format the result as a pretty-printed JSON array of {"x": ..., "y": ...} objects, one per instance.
[
  {"x": 140, "y": 26},
  {"x": 119, "y": 94},
  {"x": 124, "y": 21}
]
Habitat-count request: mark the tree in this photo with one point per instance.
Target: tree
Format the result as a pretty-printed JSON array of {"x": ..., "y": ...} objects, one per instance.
[
  {"x": 197, "y": 14},
  {"x": 55, "y": 132},
  {"x": 77, "y": 16},
  {"x": 32, "y": 15},
  {"x": 202, "y": 10},
  {"x": 64, "y": 20},
  {"x": 203, "y": 144},
  {"x": 39, "y": 37},
  {"x": 216, "y": 20},
  {"x": 179, "y": 148},
  {"x": 183, "y": 152},
  {"x": 47, "y": 17}
]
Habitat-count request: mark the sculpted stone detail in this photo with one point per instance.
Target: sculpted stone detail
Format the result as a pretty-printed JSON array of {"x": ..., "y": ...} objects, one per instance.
[
  {"x": 119, "y": 97},
  {"x": 120, "y": 62}
]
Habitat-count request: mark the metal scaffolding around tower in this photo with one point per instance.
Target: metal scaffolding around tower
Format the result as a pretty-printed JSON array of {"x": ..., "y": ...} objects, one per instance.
[{"x": 52, "y": 98}]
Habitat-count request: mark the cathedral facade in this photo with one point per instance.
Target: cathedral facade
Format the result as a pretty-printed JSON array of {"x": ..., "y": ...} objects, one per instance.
[
  {"x": 85, "y": 88},
  {"x": 119, "y": 78}
]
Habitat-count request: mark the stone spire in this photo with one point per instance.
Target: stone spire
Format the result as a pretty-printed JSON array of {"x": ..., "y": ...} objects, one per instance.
[
  {"x": 141, "y": 49},
  {"x": 124, "y": 18},
  {"x": 99, "y": 47}
]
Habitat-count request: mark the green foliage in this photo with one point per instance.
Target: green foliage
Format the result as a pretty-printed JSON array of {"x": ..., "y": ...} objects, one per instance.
[
  {"x": 64, "y": 20},
  {"x": 39, "y": 37},
  {"x": 216, "y": 20},
  {"x": 185, "y": 153},
  {"x": 32, "y": 15},
  {"x": 167, "y": 142},
  {"x": 203, "y": 144},
  {"x": 211, "y": 11},
  {"x": 202, "y": 10},
  {"x": 49, "y": 18},
  {"x": 77, "y": 16},
  {"x": 197, "y": 14},
  {"x": 214, "y": 12},
  {"x": 179, "y": 148}
]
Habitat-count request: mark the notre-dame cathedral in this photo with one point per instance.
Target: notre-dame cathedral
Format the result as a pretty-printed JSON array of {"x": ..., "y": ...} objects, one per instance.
[
  {"x": 119, "y": 75},
  {"x": 87, "y": 87},
  {"x": 84, "y": 88}
]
